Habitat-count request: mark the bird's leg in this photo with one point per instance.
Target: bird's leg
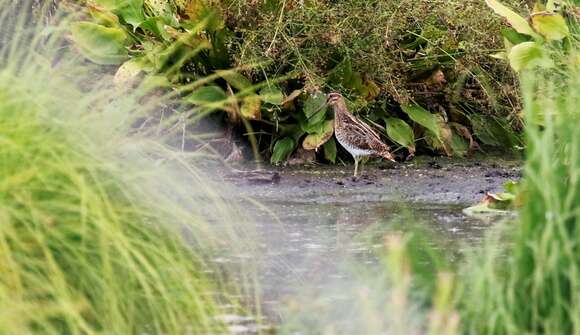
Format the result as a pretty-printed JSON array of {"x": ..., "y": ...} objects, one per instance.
[
  {"x": 363, "y": 161},
  {"x": 355, "y": 166}
]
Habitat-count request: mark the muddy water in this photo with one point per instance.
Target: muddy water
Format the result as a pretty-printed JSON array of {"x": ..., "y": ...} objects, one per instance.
[{"x": 317, "y": 223}]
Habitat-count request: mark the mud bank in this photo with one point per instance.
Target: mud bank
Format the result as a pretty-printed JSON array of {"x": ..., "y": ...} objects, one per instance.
[{"x": 437, "y": 180}]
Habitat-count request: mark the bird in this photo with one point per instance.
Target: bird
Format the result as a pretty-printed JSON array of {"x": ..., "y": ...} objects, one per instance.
[{"x": 358, "y": 138}]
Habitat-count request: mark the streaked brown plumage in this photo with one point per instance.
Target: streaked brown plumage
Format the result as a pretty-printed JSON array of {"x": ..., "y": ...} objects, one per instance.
[{"x": 355, "y": 136}]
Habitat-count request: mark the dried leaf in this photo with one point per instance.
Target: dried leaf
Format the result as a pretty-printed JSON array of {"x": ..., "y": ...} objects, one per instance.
[
  {"x": 550, "y": 25},
  {"x": 314, "y": 141},
  {"x": 251, "y": 107}
]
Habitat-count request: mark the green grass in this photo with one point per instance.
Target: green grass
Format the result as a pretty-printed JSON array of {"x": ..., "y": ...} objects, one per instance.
[
  {"x": 102, "y": 229},
  {"x": 537, "y": 288}
]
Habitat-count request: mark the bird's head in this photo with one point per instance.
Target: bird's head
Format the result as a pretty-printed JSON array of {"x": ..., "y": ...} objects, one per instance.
[
  {"x": 334, "y": 98},
  {"x": 336, "y": 101}
]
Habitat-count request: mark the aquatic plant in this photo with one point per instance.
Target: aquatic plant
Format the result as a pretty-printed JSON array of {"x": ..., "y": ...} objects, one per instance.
[{"x": 103, "y": 228}]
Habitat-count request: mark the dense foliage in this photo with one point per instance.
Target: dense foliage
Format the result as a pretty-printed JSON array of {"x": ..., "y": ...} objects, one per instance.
[{"x": 420, "y": 72}]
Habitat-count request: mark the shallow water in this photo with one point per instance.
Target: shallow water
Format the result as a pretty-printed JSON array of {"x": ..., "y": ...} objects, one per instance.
[
  {"x": 311, "y": 244},
  {"x": 317, "y": 229}
]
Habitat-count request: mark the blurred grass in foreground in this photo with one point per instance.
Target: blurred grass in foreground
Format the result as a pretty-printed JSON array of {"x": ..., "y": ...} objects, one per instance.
[
  {"x": 537, "y": 288},
  {"x": 96, "y": 233}
]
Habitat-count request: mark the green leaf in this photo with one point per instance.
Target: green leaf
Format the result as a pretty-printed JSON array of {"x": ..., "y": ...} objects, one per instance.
[
  {"x": 207, "y": 94},
  {"x": 251, "y": 107},
  {"x": 400, "y": 132},
  {"x": 529, "y": 55},
  {"x": 513, "y": 37},
  {"x": 272, "y": 95},
  {"x": 130, "y": 11},
  {"x": 423, "y": 117},
  {"x": 330, "y": 150},
  {"x": 314, "y": 104},
  {"x": 314, "y": 112},
  {"x": 100, "y": 44},
  {"x": 235, "y": 79},
  {"x": 155, "y": 25},
  {"x": 282, "y": 150},
  {"x": 515, "y": 20},
  {"x": 314, "y": 141},
  {"x": 550, "y": 25}
]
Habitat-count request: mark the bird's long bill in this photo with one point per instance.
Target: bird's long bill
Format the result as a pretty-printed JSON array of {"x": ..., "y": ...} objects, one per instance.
[{"x": 389, "y": 156}]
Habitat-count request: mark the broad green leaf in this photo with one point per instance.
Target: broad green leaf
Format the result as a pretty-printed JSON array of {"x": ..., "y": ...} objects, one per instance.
[
  {"x": 423, "y": 117},
  {"x": 103, "y": 16},
  {"x": 400, "y": 132},
  {"x": 552, "y": 26},
  {"x": 282, "y": 150},
  {"x": 207, "y": 94},
  {"x": 314, "y": 104},
  {"x": 251, "y": 107},
  {"x": 155, "y": 25},
  {"x": 529, "y": 55},
  {"x": 101, "y": 45},
  {"x": 330, "y": 150},
  {"x": 515, "y": 20},
  {"x": 513, "y": 37},
  {"x": 314, "y": 141},
  {"x": 272, "y": 95},
  {"x": 130, "y": 11},
  {"x": 235, "y": 79},
  {"x": 314, "y": 112}
]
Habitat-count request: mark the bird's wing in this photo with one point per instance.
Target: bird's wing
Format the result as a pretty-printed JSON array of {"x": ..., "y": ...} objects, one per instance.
[{"x": 365, "y": 137}]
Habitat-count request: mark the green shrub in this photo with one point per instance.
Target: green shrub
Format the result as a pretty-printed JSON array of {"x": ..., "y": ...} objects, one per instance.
[{"x": 384, "y": 55}]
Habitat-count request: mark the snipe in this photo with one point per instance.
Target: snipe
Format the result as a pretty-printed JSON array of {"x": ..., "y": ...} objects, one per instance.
[{"x": 359, "y": 139}]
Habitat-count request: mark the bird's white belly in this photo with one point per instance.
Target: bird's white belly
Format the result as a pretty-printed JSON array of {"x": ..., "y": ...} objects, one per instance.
[{"x": 354, "y": 151}]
